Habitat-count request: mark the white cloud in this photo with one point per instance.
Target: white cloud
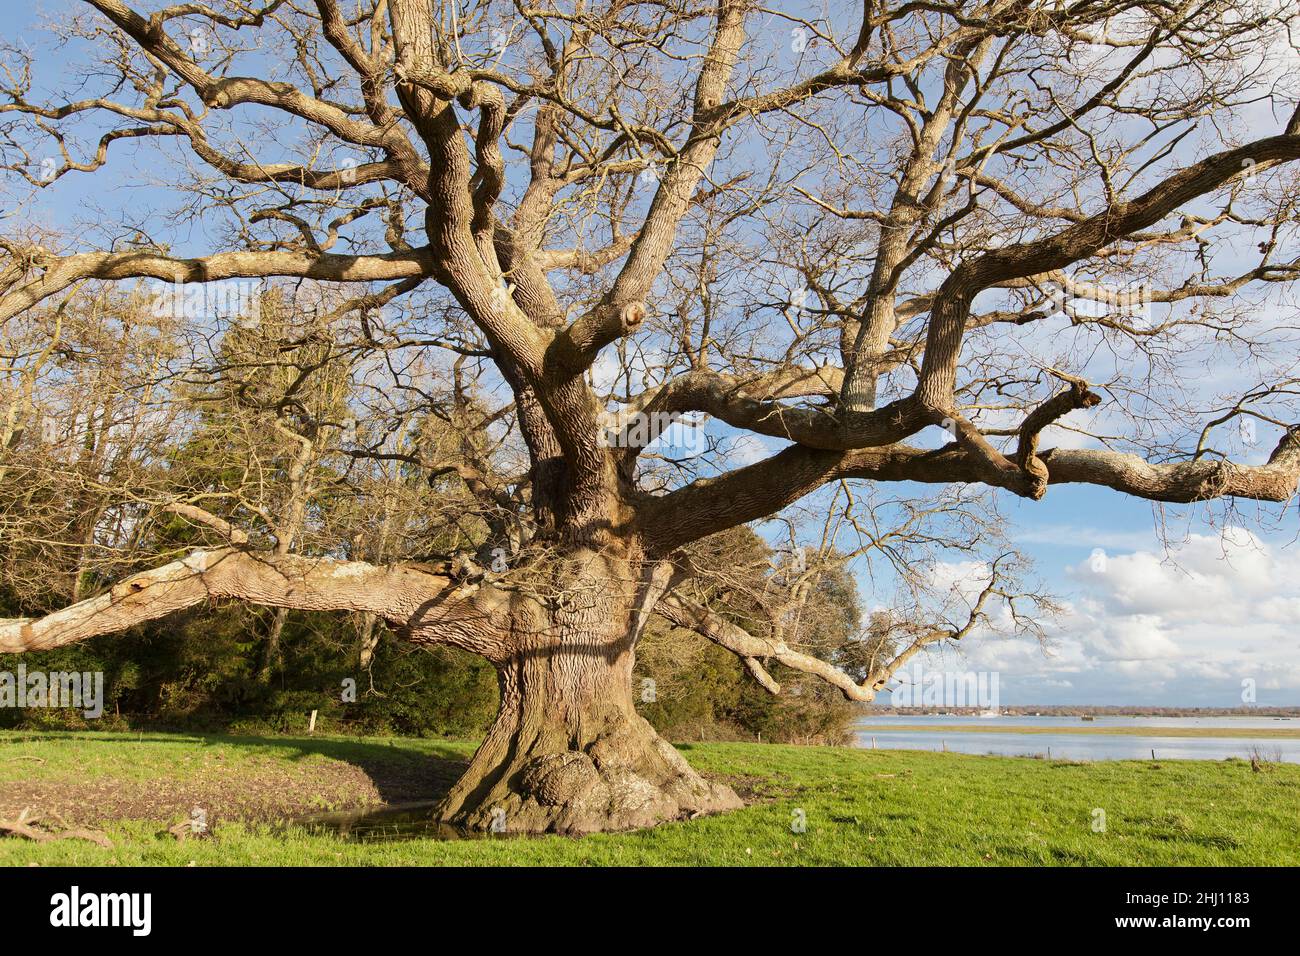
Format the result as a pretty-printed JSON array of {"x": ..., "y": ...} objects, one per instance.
[
  {"x": 1131, "y": 638},
  {"x": 1182, "y": 629},
  {"x": 964, "y": 577},
  {"x": 746, "y": 449}
]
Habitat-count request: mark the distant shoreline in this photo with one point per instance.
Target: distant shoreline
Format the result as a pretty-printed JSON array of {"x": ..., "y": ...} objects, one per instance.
[
  {"x": 990, "y": 727},
  {"x": 1087, "y": 710}
]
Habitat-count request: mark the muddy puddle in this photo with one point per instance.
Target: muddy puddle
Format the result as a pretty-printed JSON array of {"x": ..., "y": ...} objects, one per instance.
[{"x": 410, "y": 821}]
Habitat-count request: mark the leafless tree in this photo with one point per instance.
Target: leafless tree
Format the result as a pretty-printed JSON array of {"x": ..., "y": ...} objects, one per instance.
[{"x": 827, "y": 229}]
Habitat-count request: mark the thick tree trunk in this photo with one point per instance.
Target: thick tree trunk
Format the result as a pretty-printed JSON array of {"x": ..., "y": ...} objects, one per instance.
[{"x": 568, "y": 753}]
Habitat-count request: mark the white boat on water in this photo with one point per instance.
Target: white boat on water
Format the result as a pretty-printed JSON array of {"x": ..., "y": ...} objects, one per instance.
[{"x": 989, "y": 713}]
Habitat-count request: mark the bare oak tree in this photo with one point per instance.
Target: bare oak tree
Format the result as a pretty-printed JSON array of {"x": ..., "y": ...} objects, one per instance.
[{"x": 828, "y": 230}]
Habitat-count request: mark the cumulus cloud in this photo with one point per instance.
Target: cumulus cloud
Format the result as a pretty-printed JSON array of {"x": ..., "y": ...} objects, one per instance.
[
  {"x": 746, "y": 449},
  {"x": 1194, "y": 625}
]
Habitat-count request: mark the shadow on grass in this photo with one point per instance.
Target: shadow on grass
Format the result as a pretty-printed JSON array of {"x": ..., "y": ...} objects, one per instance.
[{"x": 401, "y": 773}]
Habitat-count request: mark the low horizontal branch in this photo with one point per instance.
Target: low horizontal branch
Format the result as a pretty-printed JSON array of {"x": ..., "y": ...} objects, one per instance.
[{"x": 398, "y": 593}]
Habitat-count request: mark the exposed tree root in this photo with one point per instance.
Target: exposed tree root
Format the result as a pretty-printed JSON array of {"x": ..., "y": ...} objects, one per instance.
[
  {"x": 629, "y": 779},
  {"x": 25, "y": 826}
]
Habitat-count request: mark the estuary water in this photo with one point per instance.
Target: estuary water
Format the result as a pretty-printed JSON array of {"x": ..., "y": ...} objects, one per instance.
[{"x": 1087, "y": 740}]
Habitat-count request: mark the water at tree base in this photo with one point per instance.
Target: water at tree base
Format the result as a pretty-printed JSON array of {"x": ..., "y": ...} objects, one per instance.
[{"x": 408, "y": 821}]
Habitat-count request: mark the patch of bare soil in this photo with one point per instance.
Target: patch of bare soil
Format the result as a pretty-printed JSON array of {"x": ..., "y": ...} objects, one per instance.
[{"x": 254, "y": 790}]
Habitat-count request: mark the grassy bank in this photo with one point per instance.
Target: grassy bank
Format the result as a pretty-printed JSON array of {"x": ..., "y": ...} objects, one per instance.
[{"x": 861, "y": 807}]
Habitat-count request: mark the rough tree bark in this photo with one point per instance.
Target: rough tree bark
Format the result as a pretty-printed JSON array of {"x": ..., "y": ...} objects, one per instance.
[{"x": 568, "y": 752}]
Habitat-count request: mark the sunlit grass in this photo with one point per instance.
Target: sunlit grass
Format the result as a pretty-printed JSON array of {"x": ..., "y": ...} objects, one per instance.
[{"x": 861, "y": 808}]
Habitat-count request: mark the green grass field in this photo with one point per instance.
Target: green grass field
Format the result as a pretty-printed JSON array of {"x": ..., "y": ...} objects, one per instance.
[{"x": 861, "y": 807}]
